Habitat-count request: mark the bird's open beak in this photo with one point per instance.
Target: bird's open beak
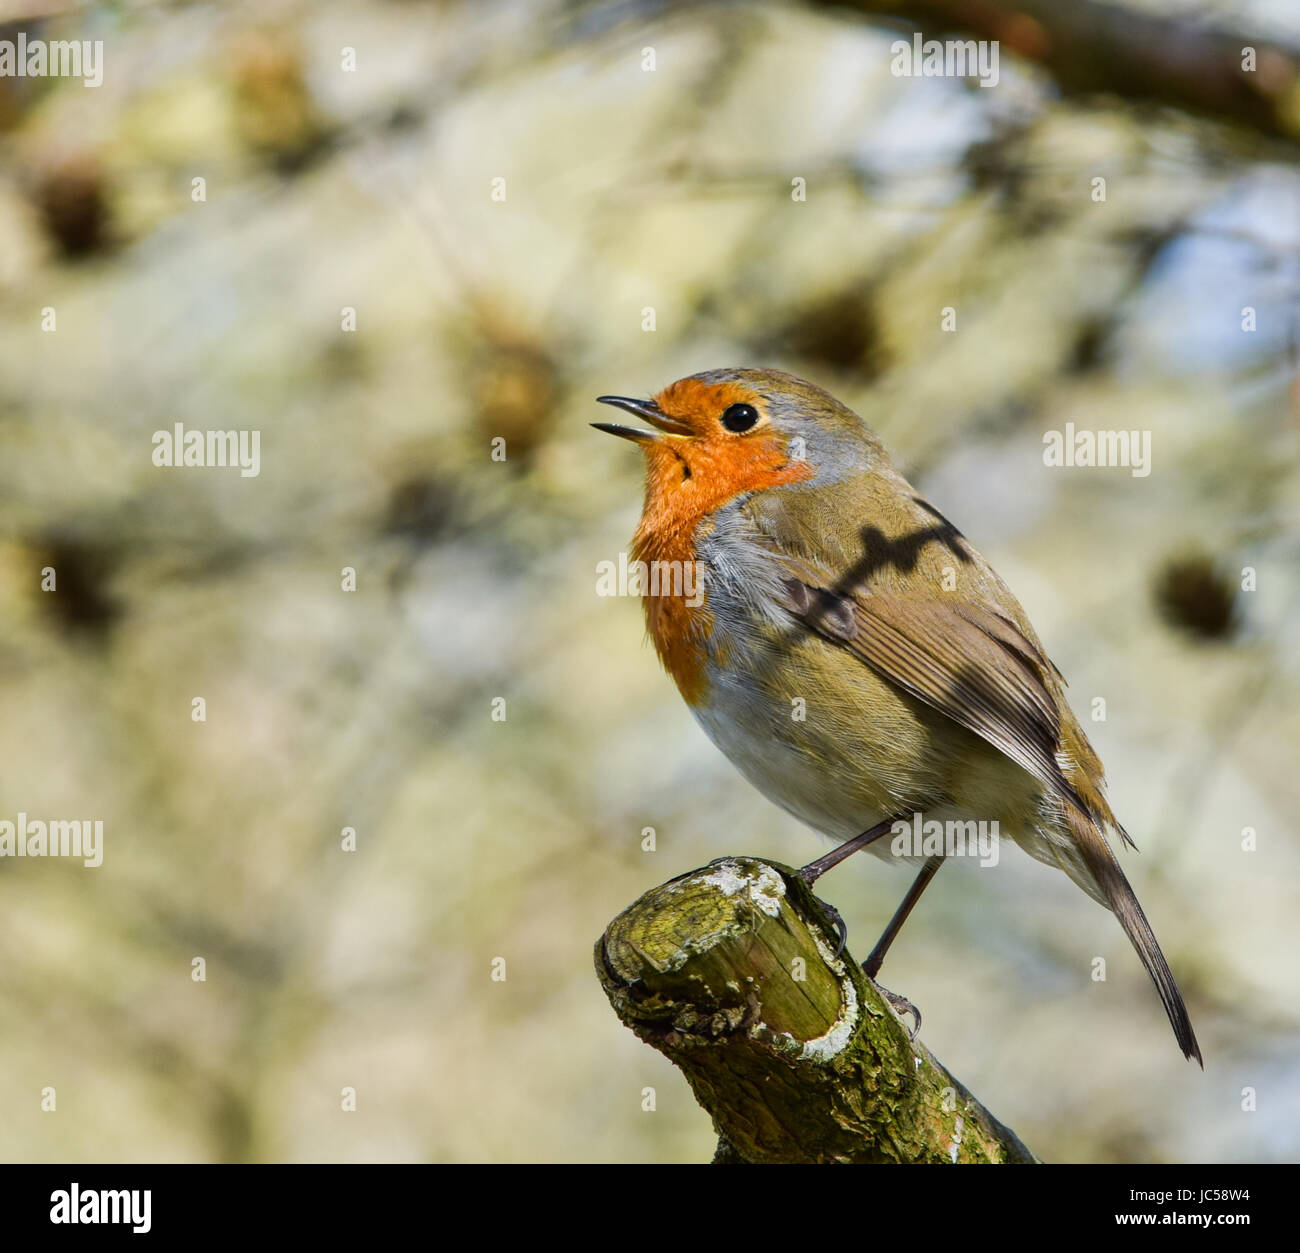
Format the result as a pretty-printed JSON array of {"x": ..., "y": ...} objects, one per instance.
[{"x": 646, "y": 409}]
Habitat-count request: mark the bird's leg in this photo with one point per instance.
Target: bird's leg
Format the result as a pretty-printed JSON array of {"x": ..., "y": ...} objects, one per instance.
[
  {"x": 815, "y": 869},
  {"x": 919, "y": 884},
  {"x": 871, "y": 967}
]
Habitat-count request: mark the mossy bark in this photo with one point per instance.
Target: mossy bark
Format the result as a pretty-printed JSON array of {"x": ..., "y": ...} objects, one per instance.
[{"x": 730, "y": 972}]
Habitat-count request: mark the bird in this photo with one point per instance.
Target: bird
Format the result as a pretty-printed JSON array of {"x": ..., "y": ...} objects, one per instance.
[{"x": 851, "y": 652}]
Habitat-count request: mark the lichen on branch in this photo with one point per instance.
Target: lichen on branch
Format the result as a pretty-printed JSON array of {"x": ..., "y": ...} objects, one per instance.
[{"x": 730, "y": 972}]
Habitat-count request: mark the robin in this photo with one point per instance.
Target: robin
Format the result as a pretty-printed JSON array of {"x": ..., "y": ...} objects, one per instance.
[{"x": 851, "y": 653}]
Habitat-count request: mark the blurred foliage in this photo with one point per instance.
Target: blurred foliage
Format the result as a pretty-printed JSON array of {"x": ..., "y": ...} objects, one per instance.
[
  {"x": 626, "y": 190},
  {"x": 1195, "y": 595}
]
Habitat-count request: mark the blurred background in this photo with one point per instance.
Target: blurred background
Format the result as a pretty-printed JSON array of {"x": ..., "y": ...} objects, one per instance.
[{"x": 425, "y": 233}]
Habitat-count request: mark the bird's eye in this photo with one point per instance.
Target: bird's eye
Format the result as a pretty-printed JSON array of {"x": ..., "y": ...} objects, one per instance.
[{"x": 737, "y": 418}]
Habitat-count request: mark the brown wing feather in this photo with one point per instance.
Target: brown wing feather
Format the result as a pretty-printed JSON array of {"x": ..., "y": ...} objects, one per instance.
[
  {"x": 972, "y": 665},
  {"x": 980, "y": 669}
]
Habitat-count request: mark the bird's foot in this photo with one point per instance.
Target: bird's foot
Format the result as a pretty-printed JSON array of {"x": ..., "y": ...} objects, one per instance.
[
  {"x": 809, "y": 876},
  {"x": 902, "y": 1007},
  {"x": 837, "y": 921}
]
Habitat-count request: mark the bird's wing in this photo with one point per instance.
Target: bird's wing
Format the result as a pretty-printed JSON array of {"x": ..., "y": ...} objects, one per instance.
[{"x": 971, "y": 663}]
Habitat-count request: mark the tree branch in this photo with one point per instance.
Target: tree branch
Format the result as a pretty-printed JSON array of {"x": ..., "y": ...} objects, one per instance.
[
  {"x": 730, "y": 972},
  {"x": 1089, "y": 46}
]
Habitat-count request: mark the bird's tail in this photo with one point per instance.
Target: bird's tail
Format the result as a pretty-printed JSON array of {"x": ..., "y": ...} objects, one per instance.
[{"x": 1105, "y": 870}]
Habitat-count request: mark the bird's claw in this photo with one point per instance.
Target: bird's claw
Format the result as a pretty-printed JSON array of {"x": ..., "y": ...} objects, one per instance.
[
  {"x": 836, "y": 918},
  {"x": 902, "y": 1007},
  {"x": 837, "y": 921}
]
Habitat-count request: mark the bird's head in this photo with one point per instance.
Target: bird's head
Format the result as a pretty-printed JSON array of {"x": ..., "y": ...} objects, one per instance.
[{"x": 726, "y": 433}]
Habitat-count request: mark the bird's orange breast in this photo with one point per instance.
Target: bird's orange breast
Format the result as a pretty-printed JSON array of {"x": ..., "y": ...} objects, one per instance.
[{"x": 686, "y": 480}]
